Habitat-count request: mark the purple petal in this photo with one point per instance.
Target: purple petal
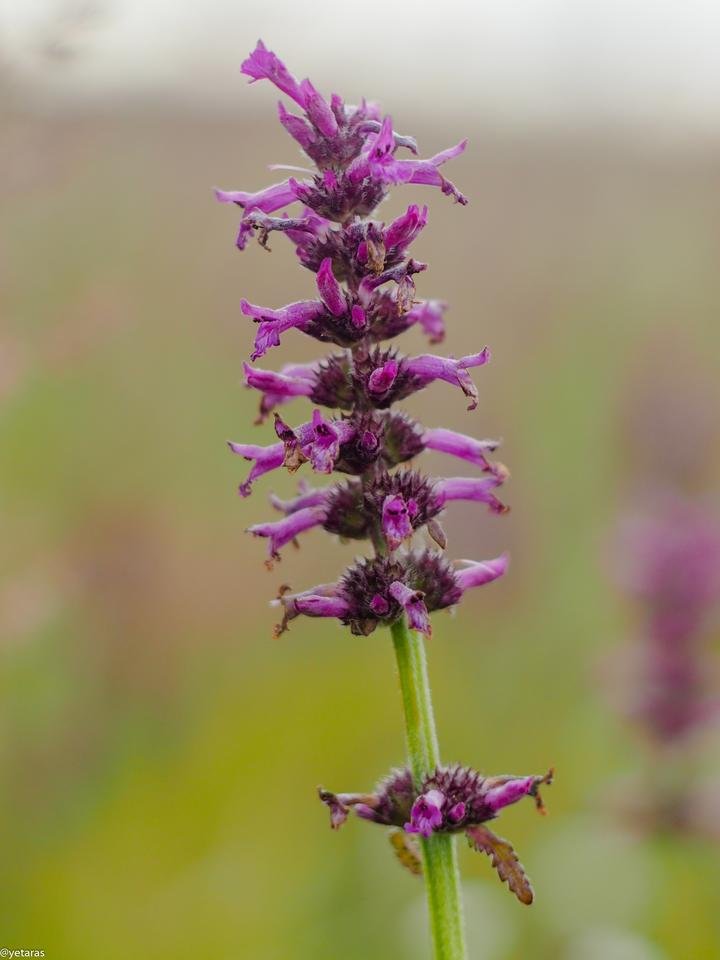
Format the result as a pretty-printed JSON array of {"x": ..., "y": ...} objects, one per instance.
[
  {"x": 381, "y": 379},
  {"x": 296, "y": 371},
  {"x": 428, "y": 367},
  {"x": 313, "y": 605},
  {"x": 266, "y": 459},
  {"x": 389, "y": 170},
  {"x": 399, "y": 139},
  {"x": 308, "y": 497},
  {"x": 330, "y": 290},
  {"x": 263, "y": 64},
  {"x": 511, "y": 790},
  {"x": 479, "y": 572},
  {"x": 383, "y": 143},
  {"x": 412, "y": 601},
  {"x": 281, "y": 532},
  {"x": 323, "y": 600},
  {"x": 268, "y": 200},
  {"x": 298, "y": 128},
  {"x": 278, "y": 384},
  {"x": 338, "y": 810},
  {"x": 396, "y": 523},
  {"x": 379, "y": 605},
  {"x": 358, "y": 317},
  {"x": 402, "y": 231},
  {"x": 320, "y": 440},
  {"x": 475, "y": 489},
  {"x": 273, "y": 323},
  {"x": 462, "y": 446},
  {"x": 426, "y": 814},
  {"x": 318, "y": 110},
  {"x": 429, "y": 314}
]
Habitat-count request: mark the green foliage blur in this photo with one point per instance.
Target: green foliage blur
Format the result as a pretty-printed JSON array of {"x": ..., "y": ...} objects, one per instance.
[{"x": 159, "y": 752}]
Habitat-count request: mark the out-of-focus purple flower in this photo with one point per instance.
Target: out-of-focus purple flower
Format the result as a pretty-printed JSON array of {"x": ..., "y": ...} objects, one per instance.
[
  {"x": 670, "y": 560},
  {"x": 430, "y": 315}
]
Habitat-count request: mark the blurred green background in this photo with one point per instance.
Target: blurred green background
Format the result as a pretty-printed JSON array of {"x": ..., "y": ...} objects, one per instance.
[{"x": 159, "y": 752}]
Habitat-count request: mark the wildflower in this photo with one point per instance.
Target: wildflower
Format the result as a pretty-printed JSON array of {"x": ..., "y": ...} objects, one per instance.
[{"x": 366, "y": 295}]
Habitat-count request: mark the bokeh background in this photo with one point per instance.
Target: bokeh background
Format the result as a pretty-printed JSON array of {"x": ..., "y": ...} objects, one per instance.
[{"x": 159, "y": 752}]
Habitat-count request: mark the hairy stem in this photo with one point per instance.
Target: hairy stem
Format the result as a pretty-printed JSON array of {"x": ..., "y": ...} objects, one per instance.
[{"x": 440, "y": 870}]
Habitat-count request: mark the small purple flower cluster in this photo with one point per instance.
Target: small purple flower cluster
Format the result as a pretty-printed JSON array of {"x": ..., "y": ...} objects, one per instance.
[
  {"x": 365, "y": 295},
  {"x": 673, "y": 567},
  {"x": 451, "y": 800}
]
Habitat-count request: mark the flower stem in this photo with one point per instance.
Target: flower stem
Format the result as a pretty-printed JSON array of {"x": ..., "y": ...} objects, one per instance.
[{"x": 442, "y": 879}]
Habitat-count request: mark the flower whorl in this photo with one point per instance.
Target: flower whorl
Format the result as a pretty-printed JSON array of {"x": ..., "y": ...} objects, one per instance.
[{"x": 366, "y": 289}]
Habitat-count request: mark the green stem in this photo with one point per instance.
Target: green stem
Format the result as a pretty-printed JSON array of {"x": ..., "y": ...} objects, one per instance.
[{"x": 442, "y": 879}]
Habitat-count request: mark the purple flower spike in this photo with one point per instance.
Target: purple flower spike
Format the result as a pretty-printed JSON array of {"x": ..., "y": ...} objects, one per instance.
[
  {"x": 396, "y": 520},
  {"x": 281, "y": 532},
  {"x": 413, "y": 602},
  {"x": 366, "y": 295},
  {"x": 426, "y": 814},
  {"x": 368, "y": 292}
]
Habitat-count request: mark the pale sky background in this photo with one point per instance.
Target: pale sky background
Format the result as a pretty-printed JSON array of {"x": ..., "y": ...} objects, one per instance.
[{"x": 656, "y": 62}]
